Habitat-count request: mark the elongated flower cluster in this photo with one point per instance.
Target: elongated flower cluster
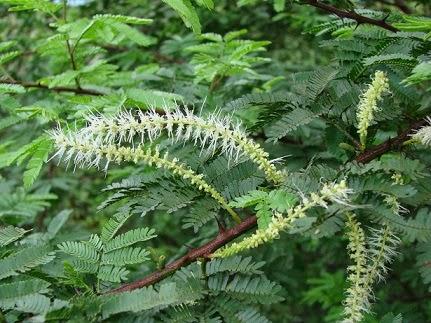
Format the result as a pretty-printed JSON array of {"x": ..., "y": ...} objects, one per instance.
[
  {"x": 368, "y": 104},
  {"x": 86, "y": 152},
  {"x": 358, "y": 254},
  {"x": 423, "y": 135},
  {"x": 333, "y": 192},
  {"x": 369, "y": 268},
  {"x": 395, "y": 205},
  {"x": 210, "y": 133}
]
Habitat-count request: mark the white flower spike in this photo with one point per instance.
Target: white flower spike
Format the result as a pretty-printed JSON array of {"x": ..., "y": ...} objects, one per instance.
[
  {"x": 423, "y": 135},
  {"x": 210, "y": 133},
  {"x": 85, "y": 151}
]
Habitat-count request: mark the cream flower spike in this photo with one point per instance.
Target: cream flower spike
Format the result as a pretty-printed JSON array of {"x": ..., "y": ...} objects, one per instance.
[
  {"x": 333, "y": 192},
  {"x": 423, "y": 135},
  {"x": 210, "y": 133},
  {"x": 354, "y": 303},
  {"x": 379, "y": 251},
  {"x": 368, "y": 104},
  {"x": 84, "y": 151}
]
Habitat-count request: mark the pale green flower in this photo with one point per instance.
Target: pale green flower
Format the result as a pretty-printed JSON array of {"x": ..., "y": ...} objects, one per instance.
[
  {"x": 86, "y": 152},
  {"x": 333, "y": 192},
  {"x": 368, "y": 104}
]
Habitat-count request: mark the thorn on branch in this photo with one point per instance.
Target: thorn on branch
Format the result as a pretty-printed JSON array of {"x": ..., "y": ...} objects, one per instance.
[
  {"x": 385, "y": 18},
  {"x": 221, "y": 224},
  {"x": 189, "y": 247},
  {"x": 351, "y": 14}
]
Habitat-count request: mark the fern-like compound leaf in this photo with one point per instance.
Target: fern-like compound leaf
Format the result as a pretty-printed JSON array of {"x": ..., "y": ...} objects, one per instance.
[
  {"x": 81, "y": 250},
  {"x": 10, "y": 234},
  {"x": 235, "y": 264},
  {"x": 25, "y": 260},
  {"x": 125, "y": 256},
  {"x": 129, "y": 238}
]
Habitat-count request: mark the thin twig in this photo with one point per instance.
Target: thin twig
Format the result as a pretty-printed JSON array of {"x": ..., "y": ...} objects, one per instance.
[
  {"x": 204, "y": 251},
  {"x": 351, "y": 15},
  {"x": 345, "y": 132},
  {"x": 400, "y": 4},
  {"x": 389, "y": 145},
  {"x": 55, "y": 88},
  {"x": 69, "y": 48}
]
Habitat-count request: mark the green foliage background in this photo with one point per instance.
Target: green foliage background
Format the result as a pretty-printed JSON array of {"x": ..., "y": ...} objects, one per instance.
[{"x": 293, "y": 76}]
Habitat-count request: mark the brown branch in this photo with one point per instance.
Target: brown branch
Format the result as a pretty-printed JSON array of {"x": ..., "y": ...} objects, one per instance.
[
  {"x": 400, "y": 4},
  {"x": 55, "y": 88},
  {"x": 403, "y": 6},
  {"x": 351, "y": 15},
  {"x": 69, "y": 48},
  {"x": 203, "y": 251},
  {"x": 391, "y": 144}
]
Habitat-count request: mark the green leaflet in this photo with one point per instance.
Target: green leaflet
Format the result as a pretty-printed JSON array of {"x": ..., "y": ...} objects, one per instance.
[
  {"x": 36, "y": 161},
  {"x": 129, "y": 238},
  {"x": 187, "y": 13},
  {"x": 25, "y": 260},
  {"x": 81, "y": 250},
  {"x": 145, "y": 299},
  {"x": 11, "y": 88},
  {"x": 266, "y": 203},
  {"x": 22, "y": 288},
  {"x": 9, "y": 234},
  {"x": 236, "y": 264},
  {"x": 39, "y": 5},
  {"x": 36, "y": 152},
  {"x": 125, "y": 256},
  {"x": 4, "y": 58},
  {"x": 123, "y": 19},
  {"x": 257, "y": 289}
]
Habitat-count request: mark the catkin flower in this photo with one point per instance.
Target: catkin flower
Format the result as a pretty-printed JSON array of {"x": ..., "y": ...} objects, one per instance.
[
  {"x": 423, "y": 135},
  {"x": 86, "y": 152},
  {"x": 380, "y": 251},
  {"x": 358, "y": 254},
  {"x": 368, "y": 104},
  {"x": 212, "y": 132},
  {"x": 334, "y": 192}
]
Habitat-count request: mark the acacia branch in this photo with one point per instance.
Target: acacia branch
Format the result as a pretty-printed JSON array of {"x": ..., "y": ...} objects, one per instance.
[
  {"x": 351, "y": 15},
  {"x": 225, "y": 236},
  {"x": 203, "y": 251},
  {"x": 55, "y": 88},
  {"x": 390, "y": 144}
]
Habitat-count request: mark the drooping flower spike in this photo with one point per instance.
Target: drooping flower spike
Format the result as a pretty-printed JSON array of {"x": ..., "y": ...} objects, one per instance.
[
  {"x": 84, "y": 151},
  {"x": 210, "y": 133},
  {"x": 356, "y": 247},
  {"x": 370, "y": 260},
  {"x": 333, "y": 192}
]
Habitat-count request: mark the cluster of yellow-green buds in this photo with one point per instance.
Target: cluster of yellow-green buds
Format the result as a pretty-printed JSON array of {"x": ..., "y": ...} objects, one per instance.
[
  {"x": 212, "y": 132},
  {"x": 84, "y": 151},
  {"x": 332, "y": 192},
  {"x": 368, "y": 104}
]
